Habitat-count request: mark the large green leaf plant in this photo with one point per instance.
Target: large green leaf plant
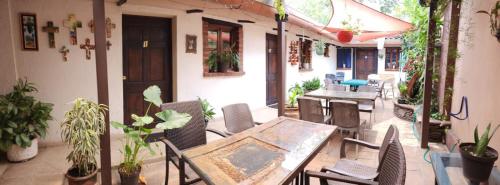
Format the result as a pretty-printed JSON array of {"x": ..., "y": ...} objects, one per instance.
[
  {"x": 136, "y": 134},
  {"x": 22, "y": 117}
]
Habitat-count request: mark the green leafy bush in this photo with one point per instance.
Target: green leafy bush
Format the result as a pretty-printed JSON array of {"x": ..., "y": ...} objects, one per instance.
[
  {"x": 81, "y": 129},
  {"x": 311, "y": 85},
  {"x": 208, "y": 110},
  {"x": 136, "y": 135},
  {"x": 22, "y": 117},
  {"x": 294, "y": 92}
]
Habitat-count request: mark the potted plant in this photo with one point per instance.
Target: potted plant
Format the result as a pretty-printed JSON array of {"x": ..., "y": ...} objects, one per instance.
[
  {"x": 212, "y": 61},
  {"x": 311, "y": 85},
  {"x": 350, "y": 28},
  {"x": 281, "y": 14},
  {"x": 292, "y": 106},
  {"x": 229, "y": 58},
  {"x": 306, "y": 64},
  {"x": 22, "y": 120},
  {"x": 208, "y": 110},
  {"x": 494, "y": 19},
  {"x": 478, "y": 158},
  {"x": 81, "y": 130},
  {"x": 320, "y": 47},
  {"x": 137, "y": 134}
]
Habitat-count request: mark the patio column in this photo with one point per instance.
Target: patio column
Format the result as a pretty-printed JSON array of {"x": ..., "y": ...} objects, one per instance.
[
  {"x": 281, "y": 64},
  {"x": 102, "y": 86},
  {"x": 429, "y": 62}
]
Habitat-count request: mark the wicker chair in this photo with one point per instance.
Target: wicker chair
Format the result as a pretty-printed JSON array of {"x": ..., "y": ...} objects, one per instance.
[
  {"x": 368, "y": 106},
  {"x": 238, "y": 118},
  {"x": 359, "y": 170},
  {"x": 191, "y": 135},
  {"x": 392, "y": 170},
  {"x": 310, "y": 109},
  {"x": 345, "y": 116}
]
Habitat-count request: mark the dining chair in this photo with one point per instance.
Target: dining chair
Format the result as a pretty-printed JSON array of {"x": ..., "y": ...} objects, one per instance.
[
  {"x": 310, "y": 109},
  {"x": 357, "y": 169},
  {"x": 345, "y": 116},
  {"x": 237, "y": 118},
  {"x": 368, "y": 106},
  {"x": 392, "y": 171},
  {"x": 193, "y": 134}
]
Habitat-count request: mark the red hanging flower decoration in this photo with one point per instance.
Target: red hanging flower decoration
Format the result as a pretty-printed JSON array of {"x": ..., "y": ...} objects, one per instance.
[{"x": 345, "y": 36}]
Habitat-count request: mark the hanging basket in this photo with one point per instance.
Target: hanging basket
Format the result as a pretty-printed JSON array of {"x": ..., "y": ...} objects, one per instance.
[{"x": 345, "y": 36}]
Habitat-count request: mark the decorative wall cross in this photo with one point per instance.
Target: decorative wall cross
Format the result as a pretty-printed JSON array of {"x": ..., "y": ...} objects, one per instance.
[
  {"x": 87, "y": 47},
  {"x": 108, "y": 44},
  {"x": 72, "y": 24},
  {"x": 51, "y": 29},
  {"x": 64, "y": 51},
  {"x": 109, "y": 26}
]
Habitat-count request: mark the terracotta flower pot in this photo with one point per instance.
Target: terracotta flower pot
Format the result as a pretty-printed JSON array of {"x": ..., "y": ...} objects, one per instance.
[
  {"x": 74, "y": 179},
  {"x": 475, "y": 168},
  {"x": 129, "y": 178},
  {"x": 20, "y": 154},
  {"x": 345, "y": 36}
]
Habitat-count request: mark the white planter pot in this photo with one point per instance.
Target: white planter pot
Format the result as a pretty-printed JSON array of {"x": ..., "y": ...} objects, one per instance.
[{"x": 19, "y": 154}]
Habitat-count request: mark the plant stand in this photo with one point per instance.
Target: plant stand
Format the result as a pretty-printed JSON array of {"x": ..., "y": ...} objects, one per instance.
[{"x": 403, "y": 111}]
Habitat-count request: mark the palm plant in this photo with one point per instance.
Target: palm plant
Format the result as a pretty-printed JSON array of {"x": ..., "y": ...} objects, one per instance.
[{"x": 81, "y": 129}]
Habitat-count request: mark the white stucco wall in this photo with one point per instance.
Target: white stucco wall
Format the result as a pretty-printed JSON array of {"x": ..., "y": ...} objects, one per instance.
[
  {"x": 476, "y": 73},
  {"x": 60, "y": 82}
]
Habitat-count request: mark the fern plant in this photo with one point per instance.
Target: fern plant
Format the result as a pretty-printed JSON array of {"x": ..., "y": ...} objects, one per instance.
[
  {"x": 81, "y": 129},
  {"x": 481, "y": 143}
]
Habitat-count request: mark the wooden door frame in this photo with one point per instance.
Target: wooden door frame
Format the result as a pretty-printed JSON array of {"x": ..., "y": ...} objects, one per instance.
[
  {"x": 267, "y": 64},
  {"x": 355, "y": 59},
  {"x": 169, "y": 66}
]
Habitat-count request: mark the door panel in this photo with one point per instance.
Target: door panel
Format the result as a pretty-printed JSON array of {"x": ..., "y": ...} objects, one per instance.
[
  {"x": 366, "y": 62},
  {"x": 271, "y": 72},
  {"x": 147, "y": 60}
]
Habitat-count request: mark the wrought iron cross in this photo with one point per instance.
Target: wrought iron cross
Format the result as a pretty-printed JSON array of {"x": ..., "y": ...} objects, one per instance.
[
  {"x": 72, "y": 24},
  {"x": 87, "y": 47},
  {"x": 51, "y": 29}
]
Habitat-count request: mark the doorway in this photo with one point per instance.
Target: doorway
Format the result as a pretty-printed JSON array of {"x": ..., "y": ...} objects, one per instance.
[
  {"x": 271, "y": 72},
  {"x": 366, "y": 62},
  {"x": 147, "y": 60}
]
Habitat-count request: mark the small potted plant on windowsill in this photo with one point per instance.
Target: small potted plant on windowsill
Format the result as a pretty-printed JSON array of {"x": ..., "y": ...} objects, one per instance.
[
  {"x": 137, "y": 134},
  {"x": 81, "y": 130},
  {"x": 208, "y": 110},
  {"x": 350, "y": 28},
  {"x": 23, "y": 119},
  {"x": 212, "y": 62},
  {"x": 229, "y": 59},
  {"x": 478, "y": 158}
]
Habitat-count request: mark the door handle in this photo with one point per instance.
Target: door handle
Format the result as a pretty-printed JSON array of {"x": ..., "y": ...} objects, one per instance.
[
  {"x": 145, "y": 44},
  {"x": 124, "y": 77}
]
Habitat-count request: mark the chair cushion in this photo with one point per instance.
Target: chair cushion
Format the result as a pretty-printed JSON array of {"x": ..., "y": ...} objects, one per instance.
[{"x": 354, "y": 169}]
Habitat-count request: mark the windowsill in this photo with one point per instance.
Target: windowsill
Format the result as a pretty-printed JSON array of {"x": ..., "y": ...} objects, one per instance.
[
  {"x": 305, "y": 70},
  {"x": 229, "y": 73},
  {"x": 391, "y": 69},
  {"x": 343, "y": 68}
]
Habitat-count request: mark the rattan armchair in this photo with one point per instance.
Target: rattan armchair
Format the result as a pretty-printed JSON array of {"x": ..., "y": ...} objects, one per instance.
[
  {"x": 310, "y": 109},
  {"x": 237, "y": 118},
  {"x": 392, "y": 170},
  {"x": 359, "y": 170},
  {"x": 191, "y": 135}
]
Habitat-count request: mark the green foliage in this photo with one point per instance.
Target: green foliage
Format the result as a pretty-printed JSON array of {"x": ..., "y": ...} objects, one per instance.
[
  {"x": 482, "y": 143},
  {"x": 351, "y": 25},
  {"x": 320, "y": 11},
  {"x": 81, "y": 129},
  {"x": 136, "y": 135},
  {"x": 208, "y": 110},
  {"x": 231, "y": 57},
  {"x": 403, "y": 90},
  {"x": 311, "y": 85},
  {"x": 320, "y": 47},
  {"x": 294, "y": 92},
  {"x": 212, "y": 61},
  {"x": 280, "y": 8},
  {"x": 22, "y": 117}
]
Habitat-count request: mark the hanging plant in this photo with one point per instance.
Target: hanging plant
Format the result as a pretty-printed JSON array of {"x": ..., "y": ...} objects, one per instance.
[
  {"x": 319, "y": 46},
  {"x": 494, "y": 19},
  {"x": 350, "y": 27},
  {"x": 280, "y": 8}
]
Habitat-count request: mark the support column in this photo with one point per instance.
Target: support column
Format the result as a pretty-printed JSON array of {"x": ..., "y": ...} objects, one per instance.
[
  {"x": 281, "y": 64},
  {"x": 102, "y": 85},
  {"x": 429, "y": 61}
]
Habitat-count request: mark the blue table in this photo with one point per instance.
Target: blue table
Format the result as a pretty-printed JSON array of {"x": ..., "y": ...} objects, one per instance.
[{"x": 355, "y": 83}]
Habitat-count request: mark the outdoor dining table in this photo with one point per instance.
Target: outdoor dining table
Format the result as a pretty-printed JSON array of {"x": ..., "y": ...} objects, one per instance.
[
  {"x": 275, "y": 152},
  {"x": 342, "y": 95}
]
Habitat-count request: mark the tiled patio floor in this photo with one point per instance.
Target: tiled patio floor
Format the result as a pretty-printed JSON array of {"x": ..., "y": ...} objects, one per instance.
[{"x": 49, "y": 166}]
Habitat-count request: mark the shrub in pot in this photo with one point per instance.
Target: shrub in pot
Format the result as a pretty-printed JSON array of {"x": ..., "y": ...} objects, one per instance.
[
  {"x": 22, "y": 120},
  {"x": 311, "y": 85},
  {"x": 208, "y": 110},
  {"x": 81, "y": 129},
  {"x": 294, "y": 92},
  {"x": 137, "y": 134},
  {"x": 478, "y": 158}
]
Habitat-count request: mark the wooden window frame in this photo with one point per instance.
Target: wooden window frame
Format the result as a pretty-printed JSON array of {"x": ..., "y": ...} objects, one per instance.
[
  {"x": 389, "y": 57},
  {"x": 236, "y": 37}
]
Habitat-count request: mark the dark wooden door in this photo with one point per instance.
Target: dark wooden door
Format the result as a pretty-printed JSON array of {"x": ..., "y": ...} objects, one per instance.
[
  {"x": 271, "y": 72},
  {"x": 147, "y": 60},
  {"x": 366, "y": 62}
]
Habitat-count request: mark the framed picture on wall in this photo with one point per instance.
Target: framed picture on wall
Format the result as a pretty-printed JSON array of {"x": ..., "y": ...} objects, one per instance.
[
  {"x": 191, "y": 44},
  {"x": 29, "y": 32}
]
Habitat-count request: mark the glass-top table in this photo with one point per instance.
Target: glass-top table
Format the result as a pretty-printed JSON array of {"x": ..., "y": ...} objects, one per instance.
[{"x": 448, "y": 170}]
